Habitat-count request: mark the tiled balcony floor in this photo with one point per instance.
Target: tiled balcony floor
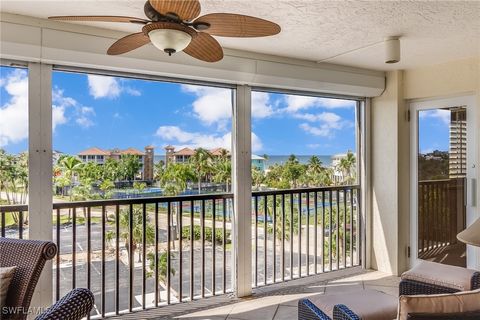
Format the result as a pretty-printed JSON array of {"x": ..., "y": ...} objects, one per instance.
[{"x": 274, "y": 302}]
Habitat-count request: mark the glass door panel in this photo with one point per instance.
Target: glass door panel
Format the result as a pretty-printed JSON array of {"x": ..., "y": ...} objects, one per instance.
[{"x": 441, "y": 194}]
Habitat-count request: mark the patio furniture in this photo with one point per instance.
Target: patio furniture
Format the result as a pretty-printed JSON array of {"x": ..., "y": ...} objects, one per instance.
[
  {"x": 29, "y": 256},
  {"x": 73, "y": 306},
  {"x": 432, "y": 278},
  {"x": 375, "y": 305},
  {"x": 355, "y": 305}
]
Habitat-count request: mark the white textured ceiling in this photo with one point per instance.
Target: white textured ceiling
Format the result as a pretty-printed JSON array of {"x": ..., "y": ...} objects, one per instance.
[{"x": 432, "y": 31}]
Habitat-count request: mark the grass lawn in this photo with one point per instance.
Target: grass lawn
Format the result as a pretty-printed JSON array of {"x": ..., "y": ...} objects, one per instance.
[{"x": 9, "y": 219}]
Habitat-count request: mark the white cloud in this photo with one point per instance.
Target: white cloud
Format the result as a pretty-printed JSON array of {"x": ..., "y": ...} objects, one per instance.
[
  {"x": 257, "y": 144},
  {"x": 261, "y": 107},
  {"x": 212, "y": 105},
  {"x": 180, "y": 138},
  {"x": 108, "y": 87},
  {"x": 313, "y": 145},
  {"x": 58, "y": 116},
  {"x": 322, "y": 130},
  {"x": 103, "y": 86},
  {"x": 323, "y": 117},
  {"x": 132, "y": 91},
  {"x": 440, "y": 114},
  {"x": 62, "y": 105},
  {"x": 297, "y": 103},
  {"x": 84, "y": 115},
  {"x": 14, "y": 113},
  {"x": 328, "y": 123}
]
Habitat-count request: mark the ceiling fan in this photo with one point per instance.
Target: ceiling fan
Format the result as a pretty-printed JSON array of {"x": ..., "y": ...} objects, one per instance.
[{"x": 172, "y": 26}]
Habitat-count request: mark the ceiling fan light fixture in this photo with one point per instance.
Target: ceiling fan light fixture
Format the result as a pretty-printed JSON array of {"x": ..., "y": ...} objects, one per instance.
[{"x": 170, "y": 40}]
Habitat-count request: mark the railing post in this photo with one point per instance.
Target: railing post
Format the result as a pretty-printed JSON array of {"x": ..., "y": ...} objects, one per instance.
[
  {"x": 40, "y": 169},
  {"x": 242, "y": 189}
]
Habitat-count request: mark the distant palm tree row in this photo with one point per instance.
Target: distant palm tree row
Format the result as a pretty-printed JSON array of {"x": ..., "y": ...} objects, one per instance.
[{"x": 75, "y": 179}]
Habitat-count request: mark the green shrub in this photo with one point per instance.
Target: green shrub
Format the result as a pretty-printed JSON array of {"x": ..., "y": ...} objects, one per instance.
[{"x": 208, "y": 234}]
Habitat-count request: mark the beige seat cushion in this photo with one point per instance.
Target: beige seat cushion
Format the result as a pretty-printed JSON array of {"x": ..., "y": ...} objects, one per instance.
[
  {"x": 441, "y": 275},
  {"x": 6, "y": 276},
  {"x": 439, "y": 303},
  {"x": 368, "y": 304}
]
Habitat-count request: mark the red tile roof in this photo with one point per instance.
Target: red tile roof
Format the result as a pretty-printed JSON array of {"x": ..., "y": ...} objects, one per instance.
[
  {"x": 132, "y": 151},
  {"x": 185, "y": 152},
  {"x": 219, "y": 151},
  {"x": 94, "y": 152}
]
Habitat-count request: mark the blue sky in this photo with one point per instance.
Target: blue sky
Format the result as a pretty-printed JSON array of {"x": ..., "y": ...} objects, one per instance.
[
  {"x": 108, "y": 112},
  {"x": 434, "y": 130}
]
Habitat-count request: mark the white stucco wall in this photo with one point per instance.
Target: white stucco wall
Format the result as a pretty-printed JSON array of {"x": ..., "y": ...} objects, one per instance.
[{"x": 390, "y": 149}]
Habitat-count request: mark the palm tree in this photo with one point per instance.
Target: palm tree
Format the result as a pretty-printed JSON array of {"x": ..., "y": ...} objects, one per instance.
[
  {"x": 174, "y": 181},
  {"x": 223, "y": 172},
  {"x": 111, "y": 170},
  {"x": 129, "y": 166},
  {"x": 293, "y": 170},
  {"x": 90, "y": 171},
  {"x": 257, "y": 177},
  {"x": 14, "y": 178},
  {"x": 159, "y": 169},
  {"x": 347, "y": 166},
  {"x": 106, "y": 186},
  {"x": 162, "y": 265},
  {"x": 70, "y": 166},
  {"x": 314, "y": 164},
  {"x": 137, "y": 234},
  {"x": 201, "y": 163}
]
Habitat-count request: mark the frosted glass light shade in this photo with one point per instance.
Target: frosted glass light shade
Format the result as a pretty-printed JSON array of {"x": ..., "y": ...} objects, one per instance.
[{"x": 169, "y": 40}]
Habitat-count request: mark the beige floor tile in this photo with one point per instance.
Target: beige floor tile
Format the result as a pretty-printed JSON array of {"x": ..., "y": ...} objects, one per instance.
[
  {"x": 202, "y": 317},
  {"x": 292, "y": 299},
  {"x": 340, "y": 287},
  {"x": 393, "y": 291},
  {"x": 390, "y": 281},
  {"x": 253, "y": 311},
  {"x": 214, "y": 312},
  {"x": 286, "y": 313}
]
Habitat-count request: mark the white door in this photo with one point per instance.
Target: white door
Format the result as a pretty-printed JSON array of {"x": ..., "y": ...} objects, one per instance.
[{"x": 443, "y": 171}]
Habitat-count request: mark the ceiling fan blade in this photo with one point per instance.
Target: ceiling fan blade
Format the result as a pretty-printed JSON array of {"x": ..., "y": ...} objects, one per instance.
[
  {"x": 184, "y": 9},
  {"x": 100, "y": 19},
  {"x": 204, "y": 47},
  {"x": 237, "y": 25},
  {"x": 128, "y": 43}
]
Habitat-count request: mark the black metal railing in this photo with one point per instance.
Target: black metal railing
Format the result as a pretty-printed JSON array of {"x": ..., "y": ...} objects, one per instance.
[
  {"x": 147, "y": 252},
  {"x": 300, "y": 232},
  {"x": 12, "y": 221}
]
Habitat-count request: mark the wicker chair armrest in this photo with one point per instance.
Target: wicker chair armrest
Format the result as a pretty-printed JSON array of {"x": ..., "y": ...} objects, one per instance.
[
  {"x": 309, "y": 311},
  {"x": 475, "y": 315},
  {"x": 476, "y": 281},
  {"x": 410, "y": 287},
  {"x": 342, "y": 312},
  {"x": 73, "y": 306}
]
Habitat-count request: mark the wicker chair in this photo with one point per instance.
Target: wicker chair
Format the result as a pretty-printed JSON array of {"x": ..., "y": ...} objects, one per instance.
[
  {"x": 411, "y": 287},
  {"x": 30, "y": 256},
  {"x": 73, "y": 306},
  {"x": 309, "y": 311}
]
